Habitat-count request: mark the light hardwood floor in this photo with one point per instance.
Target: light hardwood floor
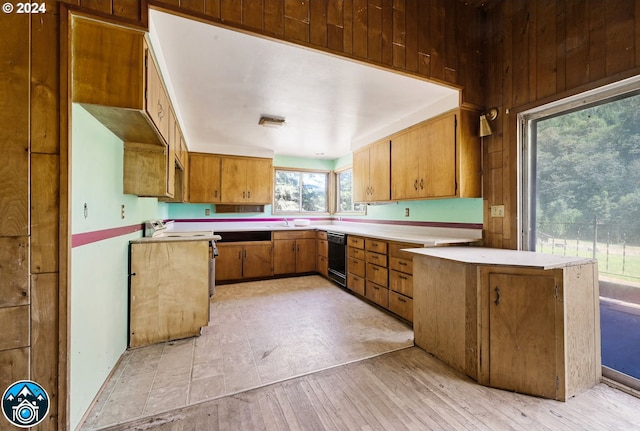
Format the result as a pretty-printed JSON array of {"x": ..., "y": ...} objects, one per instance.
[{"x": 402, "y": 390}]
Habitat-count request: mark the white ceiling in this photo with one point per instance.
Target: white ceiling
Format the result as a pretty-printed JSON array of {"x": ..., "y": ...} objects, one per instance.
[{"x": 221, "y": 82}]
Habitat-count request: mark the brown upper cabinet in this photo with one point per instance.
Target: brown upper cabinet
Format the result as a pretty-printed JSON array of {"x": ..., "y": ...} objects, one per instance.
[
  {"x": 246, "y": 180},
  {"x": 439, "y": 158},
  {"x": 115, "y": 77},
  {"x": 204, "y": 178},
  {"x": 372, "y": 173}
]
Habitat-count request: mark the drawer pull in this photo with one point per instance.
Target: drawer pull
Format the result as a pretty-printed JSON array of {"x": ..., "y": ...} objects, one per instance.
[
  {"x": 376, "y": 287},
  {"x": 374, "y": 268},
  {"x": 403, "y": 263},
  {"x": 403, "y": 277},
  {"x": 402, "y": 300}
]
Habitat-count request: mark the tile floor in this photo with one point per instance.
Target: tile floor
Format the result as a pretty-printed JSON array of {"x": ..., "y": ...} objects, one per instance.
[{"x": 259, "y": 333}]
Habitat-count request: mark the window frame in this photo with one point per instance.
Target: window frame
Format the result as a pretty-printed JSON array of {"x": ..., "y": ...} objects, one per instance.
[
  {"x": 328, "y": 175},
  {"x": 336, "y": 185}
]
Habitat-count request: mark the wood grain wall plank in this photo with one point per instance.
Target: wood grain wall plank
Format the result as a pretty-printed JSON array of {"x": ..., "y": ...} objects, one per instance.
[
  {"x": 128, "y": 9},
  {"x": 561, "y": 49},
  {"x": 14, "y": 364},
  {"x": 44, "y": 338},
  {"x": 347, "y": 26},
  {"x": 104, "y": 6},
  {"x": 253, "y": 13},
  {"x": 546, "y": 58},
  {"x": 577, "y": 43},
  {"x": 620, "y": 22},
  {"x": 14, "y": 271},
  {"x": 520, "y": 37},
  {"x": 274, "y": 17},
  {"x": 399, "y": 34},
  {"x": 212, "y": 8},
  {"x": 360, "y": 30},
  {"x": 374, "y": 32},
  {"x": 453, "y": 16},
  {"x": 597, "y": 41},
  {"x": 231, "y": 11},
  {"x": 296, "y": 20},
  {"x": 45, "y": 195},
  {"x": 197, "y": 6},
  {"x": 16, "y": 324},
  {"x": 318, "y": 23},
  {"x": 387, "y": 32},
  {"x": 411, "y": 35},
  {"x": 45, "y": 119},
  {"x": 14, "y": 125},
  {"x": 335, "y": 25},
  {"x": 533, "y": 53},
  {"x": 437, "y": 25},
  {"x": 425, "y": 47}
]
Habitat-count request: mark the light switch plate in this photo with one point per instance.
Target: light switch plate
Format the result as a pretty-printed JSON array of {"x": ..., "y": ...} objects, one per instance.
[{"x": 497, "y": 211}]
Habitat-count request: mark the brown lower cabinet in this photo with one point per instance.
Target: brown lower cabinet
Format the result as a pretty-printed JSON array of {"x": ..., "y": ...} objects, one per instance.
[
  {"x": 294, "y": 252},
  {"x": 244, "y": 260},
  {"x": 323, "y": 254}
]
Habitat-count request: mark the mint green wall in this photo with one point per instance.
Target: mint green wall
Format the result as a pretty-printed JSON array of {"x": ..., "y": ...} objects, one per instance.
[
  {"x": 302, "y": 163},
  {"x": 99, "y": 285}
]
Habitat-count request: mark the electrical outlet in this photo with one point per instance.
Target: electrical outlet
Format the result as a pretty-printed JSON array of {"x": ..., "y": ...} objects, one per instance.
[
  {"x": 207, "y": 211},
  {"x": 497, "y": 211},
  {"x": 406, "y": 212},
  {"x": 122, "y": 211}
]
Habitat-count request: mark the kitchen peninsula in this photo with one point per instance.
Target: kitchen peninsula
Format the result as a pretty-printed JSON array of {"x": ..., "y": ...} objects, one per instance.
[{"x": 516, "y": 320}]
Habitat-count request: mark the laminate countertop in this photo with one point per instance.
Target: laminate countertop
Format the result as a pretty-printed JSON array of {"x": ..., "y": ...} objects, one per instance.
[
  {"x": 496, "y": 256},
  {"x": 149, "y": 239}
]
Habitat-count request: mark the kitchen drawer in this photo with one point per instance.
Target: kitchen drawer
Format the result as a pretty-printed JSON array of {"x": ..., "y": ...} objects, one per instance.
[
  {"x": 294, "y": 234},
  {"x": 356, "y": 253},
  {"x": 355, "y": 283},
  {"x": 377, "y": 259},
  {"x": 355, "y": 242},
  {"x": 376, "y": 246},
  {"x": 323, "y": 247},
  {"x": 377, "y": 294},
  {"x": 401, "y": 305},
  {"x": 402, "y": 265},
  {"x": 395, "y": 247},
  {"x": 401, "y": 283},
  {"x": 355, "y": 266},
  {"x": 322, "y": 234},
  {"x": 378, "y": 275}
]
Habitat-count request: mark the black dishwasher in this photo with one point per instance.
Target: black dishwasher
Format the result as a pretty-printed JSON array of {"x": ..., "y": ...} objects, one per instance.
[{"x": 337, "y": 257}]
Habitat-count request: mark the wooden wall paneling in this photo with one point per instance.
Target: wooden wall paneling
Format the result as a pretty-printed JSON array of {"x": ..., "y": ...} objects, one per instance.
[
  {"x": 14, "y": 125},
  {"x": 520, "y": 37},
  {"x": 197, "y": 6},
  {"x": 597, "y": 38},
  {"x": 231, "y": 11},
  {"x": 335, "y": 25},
  {"x": 399, "y": 34},
  {"x": 44, "y": 338},
  {"x": 318, "y": 23},
  {"x": 452, "y": 49},
  {"x": 546, "y": 58},
  {"x": 619, "y": 17},
  {"x": 387, "y": 32},
  {"x": 424, "y": 46},
  {"x": 561, "y": 58},
  {"x": 45, "y": 195},
  {"x": 129, "y": 9},
  {"x": 533, "y": 53},
  {"x": 637, "y": 33},
  {"x": 14, "y": 271},
  {"x": 104, "y": 6},
  {"x": 45, "y": 90},
  {"x": 437, "y": 23},
  {"x": 374, "y": 30},
  {"x": 296, "y": 20},
  {"x": 274, "y": 17},
  {"x": 252, "y": 12},
  {"x": 470, "y": 68},
  {"x": 14, "y": 364},
  {"x": 577, "y": 43},
  {"x": 175, "y": 3},
  {"x": 347, "y": 26},
  {"x": 411, "y": 35},
  {"x": 212, "y": 8},
  {"x": 360, "y": 29},
  {"x": 15, "y": 325}
]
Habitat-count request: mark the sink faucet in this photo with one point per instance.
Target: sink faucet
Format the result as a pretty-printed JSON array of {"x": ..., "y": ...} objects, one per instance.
[{"x": 286, "y": 222}]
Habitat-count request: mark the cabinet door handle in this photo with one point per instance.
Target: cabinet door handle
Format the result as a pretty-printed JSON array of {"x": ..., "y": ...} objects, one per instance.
[
  {"x": 244, "y": 195},
  {"x": 497, "y": 301},
  {"x": 421, "y": 183},
  {"x": 240, "y": 254},
  {"x": 415, "y": 185},
  {"x": 293, "y": 247},
  {"x": 249, "y": 194},
  {"x": 245, "y": 254},
  {"x": 215, "y": 194}
]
